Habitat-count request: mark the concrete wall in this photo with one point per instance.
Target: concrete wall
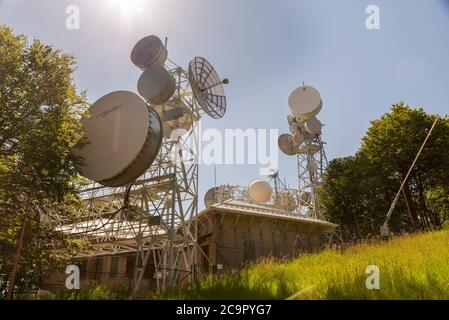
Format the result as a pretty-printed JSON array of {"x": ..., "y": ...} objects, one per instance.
[{"x": 236, "y": 240}]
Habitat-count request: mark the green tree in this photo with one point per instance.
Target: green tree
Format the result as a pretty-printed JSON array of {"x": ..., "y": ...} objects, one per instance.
[
  {"x": 358, "y": 191},
  {"x": 39, "y": 125}
]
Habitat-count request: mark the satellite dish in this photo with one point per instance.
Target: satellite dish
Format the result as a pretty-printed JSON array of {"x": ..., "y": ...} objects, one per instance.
[
  {"x": 305, "y": 102},
  {"x": 260, "y": 191},
  {"x": 312, "y": 166},
  {"x": 156, "y": 85},
  {"x": 313, "y": 126},
  {"x": 293, "y": 128},
  {"x": 210, "y": 198},
  {"x": 298, "y": 138},
  {"x": 287, "y": 145},
  {"x": 149, "y": 51},
  {"x": 124, "y": 136},
  {"x": 216, "y": 195},
  {"x": 207, "y": 87}
]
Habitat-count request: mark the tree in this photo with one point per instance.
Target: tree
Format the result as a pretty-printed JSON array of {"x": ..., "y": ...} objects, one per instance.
[
  {"x": 359, "y": 190},
  {"x": 39, "y": 125}
]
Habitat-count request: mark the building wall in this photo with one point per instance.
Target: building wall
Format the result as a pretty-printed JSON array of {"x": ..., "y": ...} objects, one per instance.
[{"x": 236, "y": 240}]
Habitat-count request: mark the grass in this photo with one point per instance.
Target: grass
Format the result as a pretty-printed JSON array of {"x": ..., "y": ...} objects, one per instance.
[{"x": 411, "y": 267}]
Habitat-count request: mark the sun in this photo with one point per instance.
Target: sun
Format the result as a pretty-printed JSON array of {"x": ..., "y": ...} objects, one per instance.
[{"x": 128, "y": 7}]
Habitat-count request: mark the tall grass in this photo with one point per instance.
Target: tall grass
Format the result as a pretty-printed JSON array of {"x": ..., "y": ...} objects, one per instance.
[{"x": 411, "y": 267}]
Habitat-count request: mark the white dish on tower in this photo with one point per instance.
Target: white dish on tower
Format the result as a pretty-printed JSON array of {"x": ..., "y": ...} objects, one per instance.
[
  {"x": 298, "y": 138},
  {"x": 210, "y": 198},
  {"x": 305, "y": 102},
  {"x": 312, "y": 166},
  {"x": 207, "y": 87},
  {"x": 260, "y": 191},
  {"x": 123, "y": 138},
  {"x": 287, "y": 145},
  {"x": 149, "y": 51},
  {"x": 313, "y": 126},
  {"x": 156, "y": 85}
]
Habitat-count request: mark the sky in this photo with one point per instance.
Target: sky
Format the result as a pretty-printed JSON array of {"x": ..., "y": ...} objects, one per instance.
[{"x": 266, "y": 49}]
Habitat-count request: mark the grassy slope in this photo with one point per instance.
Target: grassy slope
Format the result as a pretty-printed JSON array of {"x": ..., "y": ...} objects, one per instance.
[{"x": 411, "y": 267}]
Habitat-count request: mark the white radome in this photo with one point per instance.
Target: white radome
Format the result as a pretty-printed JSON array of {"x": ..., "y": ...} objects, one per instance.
[
  {"x": 305, "y": 102},
  {"x": 287, "y": 145},
  {"x": 149, "y": 51},
  {"x": 156, "y": 85},
  {"x": 260, "y": 191},
  {"x": 313, "y": 126},
  {"x": 298, "y": 138},
  {"x": 312, "y": 166},
  {"x": 123, "y": 137}
]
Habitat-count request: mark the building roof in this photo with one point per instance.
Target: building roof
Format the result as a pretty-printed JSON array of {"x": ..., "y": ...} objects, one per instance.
[{"x": 260, "y": 210}]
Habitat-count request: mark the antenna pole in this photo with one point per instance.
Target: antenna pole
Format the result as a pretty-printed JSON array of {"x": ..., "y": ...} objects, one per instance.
[
  {"x": 215, "y": 175},
  {"x": 384, "y": 228}
]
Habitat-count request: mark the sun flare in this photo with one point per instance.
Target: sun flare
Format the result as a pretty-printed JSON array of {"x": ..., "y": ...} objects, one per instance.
[{"x": 128, "y": 7}]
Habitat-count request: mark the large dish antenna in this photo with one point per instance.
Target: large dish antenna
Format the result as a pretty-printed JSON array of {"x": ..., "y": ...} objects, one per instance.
[
  {"x": 287, "y": 145},
  {"x": 123, "y": 136},
  {"x": 305, "y": 102},
  {"x": 313, "y": 126},
  {"x": 298, "y": 138},
  {"x": 260, "y": 191},
  {"x": 156, "y": 85},
  {"x": 207, "y": 87},
  {"x": 149, "y": 51}
]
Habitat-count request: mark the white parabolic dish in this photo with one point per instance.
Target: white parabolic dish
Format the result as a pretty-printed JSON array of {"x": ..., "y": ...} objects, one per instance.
[
  {"x": 156, "y": 85},
  {"x": 313, "y": 126},
  {"x": 124, "y": 136},
  {"x": 287, "y": 145},
  {"x": 305, "y": 102},
  {"x": 260, "y": 191},
  {"x": 149, "y": 51}
]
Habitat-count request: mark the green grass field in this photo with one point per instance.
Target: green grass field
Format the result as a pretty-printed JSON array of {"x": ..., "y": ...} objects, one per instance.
[{"x": 411, "y": 267}]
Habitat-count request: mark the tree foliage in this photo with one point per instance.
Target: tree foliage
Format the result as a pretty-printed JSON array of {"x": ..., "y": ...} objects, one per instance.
[
  {"x": 40, "y": 111},
  {"x": 358, "y": 190}
]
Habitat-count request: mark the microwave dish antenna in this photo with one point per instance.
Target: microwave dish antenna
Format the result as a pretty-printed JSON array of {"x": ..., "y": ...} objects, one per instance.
[
  {"x": 305, "y": 102},
  {"x": 207, "y": 87},
  {"x": 123, "y": 138},
  {"x": 287, "y": 144},
  {"x": 313, "y": 126},
  {"x": 156, "y": 85},
  {"x": 149, "y": 51},
  {"x": 260, "y": 191}
]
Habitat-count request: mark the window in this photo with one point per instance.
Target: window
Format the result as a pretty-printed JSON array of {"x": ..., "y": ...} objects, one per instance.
[
  {"x": 114, "y": 266},
  {"x": 130, "y": 262},
  {"x": 249, "y": 250},
  {"x": 98, "y": 268}
]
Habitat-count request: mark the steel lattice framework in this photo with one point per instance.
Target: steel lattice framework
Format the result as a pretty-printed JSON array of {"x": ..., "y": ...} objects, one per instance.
[
  {"x": 311, "y": 152},
  {"x": 152, "y": 217}
]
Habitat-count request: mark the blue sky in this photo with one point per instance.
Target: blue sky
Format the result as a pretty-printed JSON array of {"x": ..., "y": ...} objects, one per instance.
[{"x": 266, "y": 48}]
